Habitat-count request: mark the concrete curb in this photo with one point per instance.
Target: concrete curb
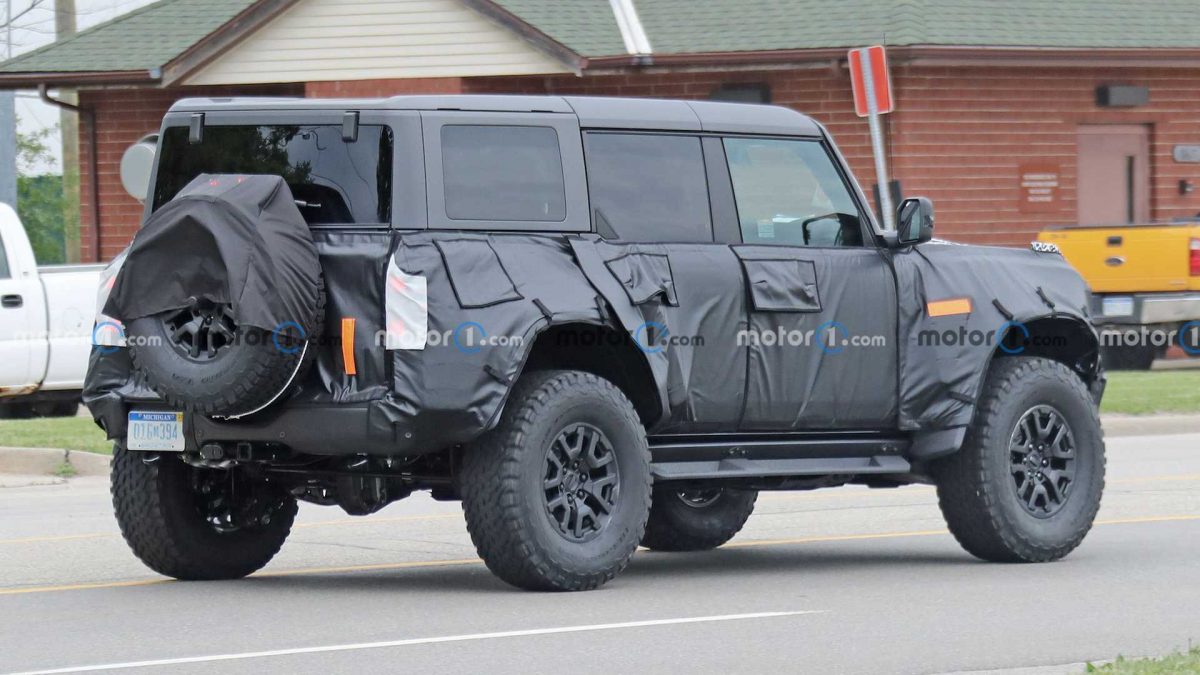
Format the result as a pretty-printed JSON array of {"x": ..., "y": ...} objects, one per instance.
[
  {"x": 1149, "y": 425},
  {"x": 44, "y": 462}
]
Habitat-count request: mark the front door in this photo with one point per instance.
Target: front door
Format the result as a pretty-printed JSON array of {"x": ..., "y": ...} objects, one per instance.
[
  {"x": 1114, "y": 174},
  {"x": 822, "y": 298}
]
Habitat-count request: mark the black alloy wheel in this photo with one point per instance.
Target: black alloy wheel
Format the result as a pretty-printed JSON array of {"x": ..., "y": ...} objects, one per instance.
[
  {"x": 581, "y": 483},
  {"x": 1042, "y": 457},
  {"x": 201, "y": 330}
]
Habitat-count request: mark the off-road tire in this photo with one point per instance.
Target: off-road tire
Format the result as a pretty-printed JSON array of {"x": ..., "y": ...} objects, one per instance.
[
  {"x": 680, "y": 524},
  {"x": 160, "y": 522},
  {"x": 976, "y": 487},
  {"x": 252, "y": 373},
  {"x": 504, "y": 497}
]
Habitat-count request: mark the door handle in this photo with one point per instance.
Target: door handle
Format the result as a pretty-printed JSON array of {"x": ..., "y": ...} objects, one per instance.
[{"x": 12, "y": 301}]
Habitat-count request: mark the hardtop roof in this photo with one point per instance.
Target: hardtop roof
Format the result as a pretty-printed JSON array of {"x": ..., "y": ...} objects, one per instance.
[{"x": 592, "y": 112}]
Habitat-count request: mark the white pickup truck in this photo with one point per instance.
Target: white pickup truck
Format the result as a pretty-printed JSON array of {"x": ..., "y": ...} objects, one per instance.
[{"x": 46, "y": 316}]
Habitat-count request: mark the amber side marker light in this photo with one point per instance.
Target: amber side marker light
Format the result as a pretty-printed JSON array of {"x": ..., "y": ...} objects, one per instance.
[
  {"x": 951, "y": 307},
  {"x": 348, "y": 363}
]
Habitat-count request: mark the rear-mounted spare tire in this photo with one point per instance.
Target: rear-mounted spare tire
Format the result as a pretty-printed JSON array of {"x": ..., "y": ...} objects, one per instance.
[
  {"x": 200, "y": 360},
  {"x": 221, "y": 296}
]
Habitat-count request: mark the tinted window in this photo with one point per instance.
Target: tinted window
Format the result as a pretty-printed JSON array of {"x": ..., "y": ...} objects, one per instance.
[
  {"x": 4, "y": 273},
  {"x": 648, "y": 188},
  {"x": 503, "y": 173},
  {"x": 333, "y": 181},
  {"x": 790, "y": 193}
]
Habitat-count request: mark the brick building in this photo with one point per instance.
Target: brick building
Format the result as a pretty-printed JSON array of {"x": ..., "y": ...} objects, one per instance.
[{"x": 1007, "y": 112}]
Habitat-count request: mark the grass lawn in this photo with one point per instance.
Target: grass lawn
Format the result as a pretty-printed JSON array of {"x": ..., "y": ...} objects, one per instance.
[
  {"x": 1175, "y": 664},
  {"x": 70, "y": 433},
  {"x": 1143, "y": 393}
]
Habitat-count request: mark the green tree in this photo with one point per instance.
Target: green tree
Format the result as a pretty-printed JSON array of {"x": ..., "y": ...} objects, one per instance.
[{"x": 40, "y": 202}]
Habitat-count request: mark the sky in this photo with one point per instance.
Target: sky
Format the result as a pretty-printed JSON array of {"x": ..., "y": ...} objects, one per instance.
[{"x": 36, "y": 29}]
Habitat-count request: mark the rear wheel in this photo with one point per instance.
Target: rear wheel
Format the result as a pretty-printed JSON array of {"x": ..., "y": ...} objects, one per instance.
[
  {"x": 696, "y": 520},
  {"x": 1026, "y": 485},
  {"x": 557, "y": 496},
  {"x": 196, "y": 524}
]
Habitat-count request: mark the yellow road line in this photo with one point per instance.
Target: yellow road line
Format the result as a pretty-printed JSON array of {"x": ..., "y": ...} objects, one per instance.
[
  {"x": 818, "y": 494},
  {"x": 416, "y": 564},
  {"x": 421, "y": 564},
  {"x": 64, "y": 537},
  {"x": 84, "y": 587}
]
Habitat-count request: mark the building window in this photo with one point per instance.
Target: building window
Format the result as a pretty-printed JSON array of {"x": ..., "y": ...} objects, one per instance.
[
  {"x": 790, "y": 193},
  {"x": 742, "y": 93},
  {"x": 503, "y": 173},
  {"x": 647, "y": 187}
]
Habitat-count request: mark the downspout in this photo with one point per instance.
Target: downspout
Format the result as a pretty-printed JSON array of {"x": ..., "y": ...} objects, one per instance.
[{"x": 93, "y": 161}]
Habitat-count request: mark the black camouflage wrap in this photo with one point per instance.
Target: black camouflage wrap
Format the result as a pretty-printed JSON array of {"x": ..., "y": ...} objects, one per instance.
[
  {"x": 519, "y": 285},
  {"x": 232, "y": 239}
]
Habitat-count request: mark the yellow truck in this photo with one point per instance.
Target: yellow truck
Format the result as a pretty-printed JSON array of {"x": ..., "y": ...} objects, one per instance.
[{"x": 1145, "y": 283}]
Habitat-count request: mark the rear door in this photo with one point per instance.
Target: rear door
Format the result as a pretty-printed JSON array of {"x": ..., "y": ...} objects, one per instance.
[
  {"x": 650, "y": 201},
  {"x": 822, "y": 299}
]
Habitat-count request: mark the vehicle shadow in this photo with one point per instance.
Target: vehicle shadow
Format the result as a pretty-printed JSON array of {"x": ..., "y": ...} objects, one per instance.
[{"x": 647, "y": 567}]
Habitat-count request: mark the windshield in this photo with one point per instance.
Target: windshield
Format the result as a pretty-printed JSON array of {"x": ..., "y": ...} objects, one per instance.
[{"x": 332, "y": 180}]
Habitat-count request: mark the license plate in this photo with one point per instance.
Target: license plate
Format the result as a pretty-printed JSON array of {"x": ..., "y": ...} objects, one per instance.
[
  {"x": 162, "y": 431},
  {"x": 1120, "y": 306}
]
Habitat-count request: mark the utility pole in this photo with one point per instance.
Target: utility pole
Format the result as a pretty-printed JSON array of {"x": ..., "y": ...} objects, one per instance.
[
  {"x": 68, "y": 126},
  {"x": 8, "y": 124}
]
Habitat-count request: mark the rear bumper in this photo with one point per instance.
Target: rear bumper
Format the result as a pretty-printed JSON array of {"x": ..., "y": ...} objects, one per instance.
[
  {"x": 344, "y": 429},
  {"x": 1145, "y": 308}
]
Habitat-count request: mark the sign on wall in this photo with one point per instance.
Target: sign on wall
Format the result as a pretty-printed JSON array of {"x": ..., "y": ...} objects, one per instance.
[
  {"x": 1040, "y": 187},
  {"x": 1187, "y": 154}
]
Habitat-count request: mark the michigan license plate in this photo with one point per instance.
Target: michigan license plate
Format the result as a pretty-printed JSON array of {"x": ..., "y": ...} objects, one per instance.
[{"x": 161, "y": 431}]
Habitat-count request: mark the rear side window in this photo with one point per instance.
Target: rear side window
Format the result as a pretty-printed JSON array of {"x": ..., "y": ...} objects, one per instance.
[
  {"x": 647, "y": 187},
  {"x": 789, "y": 192},
  {"x": 332, "y": 180},
  {"x": 4, "y": 273},
  {"x": 503, "y": 173}
]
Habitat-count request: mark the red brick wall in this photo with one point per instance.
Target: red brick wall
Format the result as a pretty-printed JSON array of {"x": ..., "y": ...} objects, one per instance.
[
  {"x": 959, "y": 134},
  {"x": 122, "y": 117}
]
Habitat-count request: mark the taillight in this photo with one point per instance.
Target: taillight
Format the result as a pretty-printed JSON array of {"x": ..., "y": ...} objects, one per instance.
[{"x": 1194, "y": 257}]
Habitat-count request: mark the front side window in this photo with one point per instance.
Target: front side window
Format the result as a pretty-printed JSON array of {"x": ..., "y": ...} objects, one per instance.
[
  {"x": 649, "y": 188},
  {"x": 503, "y": 173},
  {"x": 333, "y": 181},
  {"x": 789, "y": 192}
]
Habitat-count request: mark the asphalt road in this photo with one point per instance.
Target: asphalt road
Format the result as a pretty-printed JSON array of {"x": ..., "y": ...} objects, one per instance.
[{"x": 848, "y": 580}]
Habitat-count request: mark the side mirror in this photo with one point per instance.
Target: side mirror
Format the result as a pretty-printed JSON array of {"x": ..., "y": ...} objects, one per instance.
[
  {"x": 137, "y": 164},
  {"x": 914, "y": 221}
]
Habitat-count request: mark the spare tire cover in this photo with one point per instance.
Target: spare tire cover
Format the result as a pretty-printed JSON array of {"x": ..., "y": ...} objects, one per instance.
[{"x": 237, "y": 240}]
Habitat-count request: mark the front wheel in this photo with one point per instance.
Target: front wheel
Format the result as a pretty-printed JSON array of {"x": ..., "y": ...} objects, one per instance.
[
  {"x": 696, "y": 520},
  {"x": 198, "y": 524},
  {"x": 557, "y": 495},
  {"x": 1026, "y": 485}
]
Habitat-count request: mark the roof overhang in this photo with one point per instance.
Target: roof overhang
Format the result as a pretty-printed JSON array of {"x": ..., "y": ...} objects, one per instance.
[
  {"x": 80, "y": 79},
  {"x": 1083, "y": 57}
]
